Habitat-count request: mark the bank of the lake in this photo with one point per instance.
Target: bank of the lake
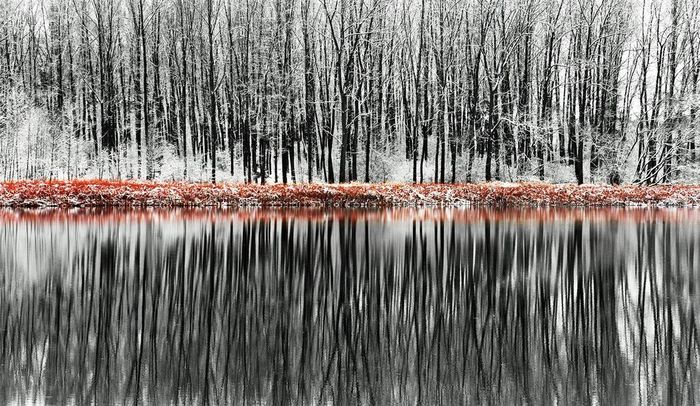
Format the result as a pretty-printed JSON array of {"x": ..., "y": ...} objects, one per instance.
[{"x": 108, "y": 193}]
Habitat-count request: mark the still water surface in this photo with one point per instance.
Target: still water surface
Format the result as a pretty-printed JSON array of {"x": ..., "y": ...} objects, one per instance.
[{"x": 399, "y": 306}]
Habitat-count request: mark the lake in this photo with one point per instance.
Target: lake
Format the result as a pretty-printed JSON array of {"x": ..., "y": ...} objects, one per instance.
[{"x": 311, "y": 306}]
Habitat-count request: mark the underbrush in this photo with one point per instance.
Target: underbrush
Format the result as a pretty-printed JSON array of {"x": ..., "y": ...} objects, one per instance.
[{"x": 111, "y": 193}]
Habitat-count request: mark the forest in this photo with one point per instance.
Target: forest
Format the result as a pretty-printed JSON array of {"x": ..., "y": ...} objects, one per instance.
[{"x": 336, "y": 91}]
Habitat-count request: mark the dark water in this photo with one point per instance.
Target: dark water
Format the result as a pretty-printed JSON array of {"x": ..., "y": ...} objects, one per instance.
[{"x": 350, "y": 307}]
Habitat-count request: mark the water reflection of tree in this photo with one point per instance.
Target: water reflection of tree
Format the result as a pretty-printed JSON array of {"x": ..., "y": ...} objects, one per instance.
[{"x": 354, "y": 311}]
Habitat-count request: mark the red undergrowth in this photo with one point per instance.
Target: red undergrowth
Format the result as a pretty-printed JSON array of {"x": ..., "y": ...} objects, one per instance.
[{"x": 109, "y": 193}]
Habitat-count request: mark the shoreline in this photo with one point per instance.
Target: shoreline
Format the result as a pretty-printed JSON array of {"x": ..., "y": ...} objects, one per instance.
[{"x": 108, "y": 193}]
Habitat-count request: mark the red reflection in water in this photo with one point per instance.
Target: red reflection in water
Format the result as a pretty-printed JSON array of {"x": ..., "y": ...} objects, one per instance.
[{"x": 458, "y": 215}]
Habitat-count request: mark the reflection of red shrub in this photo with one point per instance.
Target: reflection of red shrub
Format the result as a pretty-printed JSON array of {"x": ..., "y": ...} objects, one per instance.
[
  {"x": 383, "y": 215},
  {"x": 107, "y": 193}
]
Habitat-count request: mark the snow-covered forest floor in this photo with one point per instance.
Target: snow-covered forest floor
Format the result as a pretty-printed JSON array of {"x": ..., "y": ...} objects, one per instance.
[{"x": 102, "y": 193}]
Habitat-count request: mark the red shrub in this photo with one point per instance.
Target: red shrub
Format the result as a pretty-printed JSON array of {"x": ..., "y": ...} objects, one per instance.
[{"x": 109, "y": 193}]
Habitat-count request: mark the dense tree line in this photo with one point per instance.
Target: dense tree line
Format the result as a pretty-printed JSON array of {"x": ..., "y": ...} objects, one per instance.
[{"x": 350, "y": 90}]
